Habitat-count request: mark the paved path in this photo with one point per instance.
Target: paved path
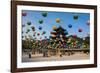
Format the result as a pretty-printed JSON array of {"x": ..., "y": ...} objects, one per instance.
[{"x": 39, "y": 57}]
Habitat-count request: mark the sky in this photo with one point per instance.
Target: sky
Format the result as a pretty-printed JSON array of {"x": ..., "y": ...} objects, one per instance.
[{"x": 49, "y": 21}]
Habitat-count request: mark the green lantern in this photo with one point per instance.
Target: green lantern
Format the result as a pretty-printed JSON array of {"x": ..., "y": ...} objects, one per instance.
[
  {"x": 40, "y": 21},
  {"x": 44, "y": 14},
  {"x": 29, "y": 23}
]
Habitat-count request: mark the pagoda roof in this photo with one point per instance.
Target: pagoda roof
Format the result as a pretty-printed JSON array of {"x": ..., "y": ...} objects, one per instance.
[
  {"x": 60, "y": 28},
  {"x": 53, "y": 33}
]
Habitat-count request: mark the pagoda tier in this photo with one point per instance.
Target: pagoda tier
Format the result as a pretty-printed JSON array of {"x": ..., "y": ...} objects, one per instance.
[
  {"x": 62, "y": 33},
  {"x": 60, "y": 29},
  {"x": 58, "y": 36},
  {"x": 59, "y": 33},
  {"x": 55, "y": 33}
]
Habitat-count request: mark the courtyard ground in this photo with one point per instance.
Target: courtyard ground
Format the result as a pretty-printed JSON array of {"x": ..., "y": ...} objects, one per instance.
[{"x": 39, "y": 57}]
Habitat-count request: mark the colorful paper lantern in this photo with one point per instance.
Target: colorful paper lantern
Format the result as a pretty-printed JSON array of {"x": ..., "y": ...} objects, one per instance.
[
  {"x": 29, "y": 23},
  {"x": 58, "y": 20},
  {"x": 23, "y": 25},
  {"x": 33, "y": 28},
  {"x": 75, "y": 17},
  {"x": 44, "y": 14},
  {"x": 38, "y": 34},
  {"x": 34, "y": 35},
  {"x": 79, "y": 30},
  {"x": 28, "y": 30},
  {"x": 70, "y": 26},
  {"x": 24, "y": 13},
  {"x": 54, "y": 27},
  {"x": 44, "y": 32},
  {"x": 40, "y": 27},
  {"x": 40, "y": 21}
]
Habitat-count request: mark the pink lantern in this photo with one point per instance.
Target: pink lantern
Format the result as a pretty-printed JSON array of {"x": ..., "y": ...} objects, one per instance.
[
  {"x": 24, "y": 14},
  {"x": 38, "y": 34},
  {"x": 79, "y": 30}
]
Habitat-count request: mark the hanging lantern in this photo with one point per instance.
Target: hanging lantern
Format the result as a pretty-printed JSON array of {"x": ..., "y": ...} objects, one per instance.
[
  {"x": 44, "y": 32},
  {"x": 79, "y": 30},
  {"x": 34, "y": 35},
  {"x": 54, "y": 27},
  {"x": 40, "y": 21},
  {"x": 23, "y": 25},
  {"x": 33, "y": 28},
  {"x": 29, "y": 23},
  {"x": 70, "y": 26},
  {"x": 40, "y": 27},
  {"x": 75, "y": 17},
  {"x": 28, "y": 30},
  {"x": 58, "y": 20},
  {"x": 44, "y": 14},
  {"x": 38, "y": 34},
  {"x": 24, "y": 14}
]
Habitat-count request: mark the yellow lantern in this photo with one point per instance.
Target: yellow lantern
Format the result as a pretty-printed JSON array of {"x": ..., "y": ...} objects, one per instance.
[
  {"x": 54, "y": 27},
  {"x": 58, "y": 20}
]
